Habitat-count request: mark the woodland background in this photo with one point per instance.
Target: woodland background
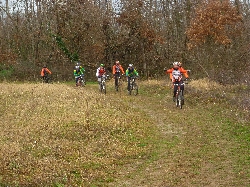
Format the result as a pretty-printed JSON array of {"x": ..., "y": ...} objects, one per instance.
[{"x": 210, "y": 37}]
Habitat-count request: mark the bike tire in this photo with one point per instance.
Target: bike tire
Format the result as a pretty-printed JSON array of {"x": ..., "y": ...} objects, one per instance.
[
  {"x": 79, "y": 83},
  {"x": 130, "y": 90},
  {"x": 104, "y": 88},
  {"x": 177, "y": 99},
  {"x": 46, "y": 79},
  {"x": 135, "y": 89},
  {"x": 100, "y": 87},
  {"x": 180, "y": 100},
  {"x": 83, "y": 83}
]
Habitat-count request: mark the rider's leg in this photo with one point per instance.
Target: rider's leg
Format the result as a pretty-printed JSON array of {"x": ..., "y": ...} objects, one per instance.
[
  {"x": 129, "y": 83},
  {"x": 116, "y": 79},
  {"x": 182, "y": 88},
  {"x": 175, "y": 90}
]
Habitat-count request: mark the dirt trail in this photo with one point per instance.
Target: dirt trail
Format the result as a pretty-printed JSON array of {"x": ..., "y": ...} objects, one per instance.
[{"x": 158, "y": 170}]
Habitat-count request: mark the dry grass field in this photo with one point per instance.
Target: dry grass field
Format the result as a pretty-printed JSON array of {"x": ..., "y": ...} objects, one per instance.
[{"x": 62, "y": 136}]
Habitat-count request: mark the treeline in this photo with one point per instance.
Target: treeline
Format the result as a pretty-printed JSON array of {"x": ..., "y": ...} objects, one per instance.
[{"x": 210, "y": 37}]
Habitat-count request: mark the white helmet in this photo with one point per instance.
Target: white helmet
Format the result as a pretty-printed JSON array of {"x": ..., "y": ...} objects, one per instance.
[
  {"x": 130, "y": 65},
  {"x": 176, "y": 64}
]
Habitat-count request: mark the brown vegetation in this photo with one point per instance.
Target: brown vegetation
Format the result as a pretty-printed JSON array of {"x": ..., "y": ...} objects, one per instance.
[{"x": 149, "y": 34}]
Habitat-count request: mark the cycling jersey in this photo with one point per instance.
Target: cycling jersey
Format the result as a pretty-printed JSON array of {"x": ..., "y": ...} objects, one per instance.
[
  {"x": 176, "y": 74},
  {"x": 45, "y": 71},
  {"x": 131, "y": 72},
  {"x": 100, "y": 72},
  {"x": 117, "y": 69}
]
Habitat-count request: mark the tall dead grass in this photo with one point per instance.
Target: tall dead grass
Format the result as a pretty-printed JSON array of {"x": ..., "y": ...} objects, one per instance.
[{"x": 211, "y": 91}]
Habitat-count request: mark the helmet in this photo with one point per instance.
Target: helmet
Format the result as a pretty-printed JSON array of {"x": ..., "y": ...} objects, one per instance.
[
  {"x": 176, "y": 64},
  {"x": 117, "y": 62},
  {"x": 179, "y": 63},
  {"x": 44, "y": 66},
  {"x": 130, "y": 65},
  {"x": 101, "y": 65},
  {"x": 77, "y": 63}
]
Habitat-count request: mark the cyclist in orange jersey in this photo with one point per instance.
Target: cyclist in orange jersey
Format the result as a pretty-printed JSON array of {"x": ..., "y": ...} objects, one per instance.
[
  {"x": 44, "y": 73},
  {"x": 117, "y": 71},
  {"x": 180, "y": 66},
  {"x": 176, "y": 77}
]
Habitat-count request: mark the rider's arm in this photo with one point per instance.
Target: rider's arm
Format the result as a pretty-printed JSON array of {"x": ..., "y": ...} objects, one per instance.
[
  {"x": 127, "y": 73},
  {"x": 75, "y": 74},
  {"x": 97, "y": 72},
  {"x": 82, "y": 70},
  {"x": 184, "y": 72},
  {"x": 169, "y": 70},
  {"x": 42, "y": 74},
  {"x": 122, "y": 69},
  {"x": 48, "y": 71},
  {"x": 186, "y": 75},
  {"x": 113, "y": 69},
  {"x": 136, "y": 73}
]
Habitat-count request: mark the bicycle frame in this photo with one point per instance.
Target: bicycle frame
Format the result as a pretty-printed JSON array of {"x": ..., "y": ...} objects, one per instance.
[
  {"x": 133, "y": 86},
  {"x": 81, "y": 80},
  {"x": 179, "y": 95},
  {"x": 119, "y": 81},
  {"x": 103, "y": 83},
  {"x": 46, "y": 79}
]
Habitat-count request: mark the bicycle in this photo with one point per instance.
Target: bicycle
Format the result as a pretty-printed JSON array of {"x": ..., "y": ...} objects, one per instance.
[
  {"x": 102, "y": 84},
  {"x": 46, "y": 79},
  {"x": 133, "y": 86},
  {"x": 179, "y": 96},
  {"x": 81, "y": 81}
]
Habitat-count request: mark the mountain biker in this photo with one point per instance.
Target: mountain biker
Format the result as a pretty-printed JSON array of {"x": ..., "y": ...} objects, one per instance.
[
  {"x": 44, "y": 73},
  {"x": 117, "y": 70},
  {"x": 131, "y": 72},
  {"x": 100, "y": 72},
  {"x": 180, "y": 66},
  {"x": 176, "y": 77},
  {"x": 78, "y": 71}
]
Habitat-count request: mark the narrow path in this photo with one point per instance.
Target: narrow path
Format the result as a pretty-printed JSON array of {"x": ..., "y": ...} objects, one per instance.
[{"x": 156, "y": 171}]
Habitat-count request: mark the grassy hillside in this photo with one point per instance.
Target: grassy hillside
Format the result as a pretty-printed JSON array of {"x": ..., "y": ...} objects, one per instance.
[{"x": 59, "y": 135}]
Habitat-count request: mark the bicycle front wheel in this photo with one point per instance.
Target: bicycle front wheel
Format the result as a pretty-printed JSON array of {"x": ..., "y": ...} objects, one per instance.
[
  {"x": 135, "y": 89},
  {"x": 104, "y": 88},
  {"x": 79, "y": 82},
  {"x": 83, "y": 82},
  {"x": 181, "y": 99},
  {"x": 177, "y": 99}
]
